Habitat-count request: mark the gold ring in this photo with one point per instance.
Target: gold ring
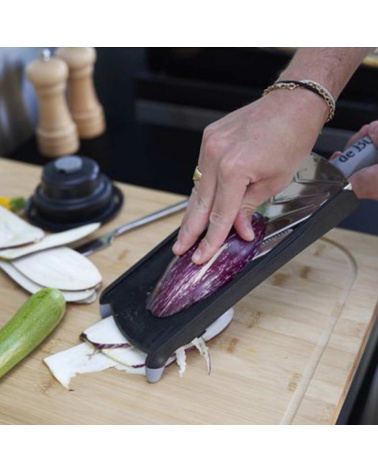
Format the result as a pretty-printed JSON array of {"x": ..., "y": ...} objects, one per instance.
[{"x": 197, "y": 174}]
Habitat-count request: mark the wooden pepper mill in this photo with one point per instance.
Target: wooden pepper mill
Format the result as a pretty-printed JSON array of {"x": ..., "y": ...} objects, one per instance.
[
  {"x": 56, "y": 133},
  {"x": 85, "y": 108}
]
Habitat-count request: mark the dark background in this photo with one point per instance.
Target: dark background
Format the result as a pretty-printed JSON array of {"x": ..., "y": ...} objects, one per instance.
[{"x": 157, "y": 102}]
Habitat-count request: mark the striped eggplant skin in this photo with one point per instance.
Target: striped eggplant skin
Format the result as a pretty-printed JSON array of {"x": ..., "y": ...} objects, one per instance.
[{"x": 185, "y": 283}]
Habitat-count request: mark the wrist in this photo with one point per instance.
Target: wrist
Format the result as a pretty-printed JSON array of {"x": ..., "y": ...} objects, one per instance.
[
  {"x": 307, "y": 71},
  {"x": 302, "y": 104},
  {"x": 310, "y": 85}
]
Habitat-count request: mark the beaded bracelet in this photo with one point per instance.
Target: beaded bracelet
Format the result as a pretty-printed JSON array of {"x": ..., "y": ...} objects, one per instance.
[{"x": 307, "y": 84}]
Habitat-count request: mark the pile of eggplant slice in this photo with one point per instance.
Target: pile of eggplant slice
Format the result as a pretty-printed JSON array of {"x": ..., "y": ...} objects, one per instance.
[
  {"x": 104, "y": 346},
  {"x": 35, "y": 260}
]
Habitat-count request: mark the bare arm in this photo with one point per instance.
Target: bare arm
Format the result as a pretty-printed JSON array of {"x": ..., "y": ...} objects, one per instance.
[
  {"x": 332, "y": 67},
  {"x": 252, "y": 153}
]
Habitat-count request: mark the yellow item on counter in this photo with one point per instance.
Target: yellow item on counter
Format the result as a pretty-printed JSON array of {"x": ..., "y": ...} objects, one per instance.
[{"x": 14, "y": 204}]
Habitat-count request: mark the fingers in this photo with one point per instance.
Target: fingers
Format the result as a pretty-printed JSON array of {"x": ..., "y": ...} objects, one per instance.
[
  {"x": 197, "y": 213},
  {"x": 370, "y": 129},
  {"x": 365, "y": 183},
  {"x": 229, "y": 194},
  {"x": 373, "y": 132},
  {"x": 256, "y": 194},
  {"x": 243, "y": 220},
  {"x": 335, "y": 154},
  {"x": 201, "y": 200},
  {"x": 360, "y": 134}
]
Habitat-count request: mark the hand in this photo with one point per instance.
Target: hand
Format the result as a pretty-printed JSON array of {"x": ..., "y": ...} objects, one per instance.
[
  {"x": 365, "y": 181},
  {"x": 245, "y": 158}
]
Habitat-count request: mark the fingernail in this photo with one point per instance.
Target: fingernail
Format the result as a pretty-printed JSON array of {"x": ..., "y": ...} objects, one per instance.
[
  {"x": 335, "y": 154},
  {"x": 197, "y": 256},
  {"x": 176, "y": 247}
]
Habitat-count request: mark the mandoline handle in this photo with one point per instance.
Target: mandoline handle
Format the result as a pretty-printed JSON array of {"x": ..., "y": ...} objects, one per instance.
[{"x": 362, "y": 154}]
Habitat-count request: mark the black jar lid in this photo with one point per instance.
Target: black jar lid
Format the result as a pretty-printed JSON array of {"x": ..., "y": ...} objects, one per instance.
[{"x": 73, "y": 192}]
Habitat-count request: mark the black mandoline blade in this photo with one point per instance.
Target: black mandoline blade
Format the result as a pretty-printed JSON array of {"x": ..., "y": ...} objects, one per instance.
[{"x": 125, "y": 299}]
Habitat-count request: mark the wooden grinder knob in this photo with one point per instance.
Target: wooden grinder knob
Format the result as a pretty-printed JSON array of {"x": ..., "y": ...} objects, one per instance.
[
  {"x": 85, "y": 108},
  {"x": 56, "y": 132}
]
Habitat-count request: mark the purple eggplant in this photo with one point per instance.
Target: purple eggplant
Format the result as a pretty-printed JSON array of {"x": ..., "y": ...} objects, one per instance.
[{"x": 185, "y": 283}]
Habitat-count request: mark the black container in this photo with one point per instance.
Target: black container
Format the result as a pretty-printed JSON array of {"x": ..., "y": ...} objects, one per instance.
[{"x": 73, "y": 192}]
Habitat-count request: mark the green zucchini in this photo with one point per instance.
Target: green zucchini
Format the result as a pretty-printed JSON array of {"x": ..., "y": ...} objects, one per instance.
[{"x": 33, "y": 322}]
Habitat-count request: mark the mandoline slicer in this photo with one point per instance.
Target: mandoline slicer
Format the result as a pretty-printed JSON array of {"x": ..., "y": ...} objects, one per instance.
[{"x": 318, "y": 199}]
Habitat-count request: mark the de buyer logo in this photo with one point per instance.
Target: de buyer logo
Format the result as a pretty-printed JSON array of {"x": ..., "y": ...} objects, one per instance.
[{"x": 355, "y": 149}]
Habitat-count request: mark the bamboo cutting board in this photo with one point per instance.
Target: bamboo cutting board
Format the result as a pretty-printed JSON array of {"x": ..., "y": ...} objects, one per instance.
[{"x": 288, "y": 357}]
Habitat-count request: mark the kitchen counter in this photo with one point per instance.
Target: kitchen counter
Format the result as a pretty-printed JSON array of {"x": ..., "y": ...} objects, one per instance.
[{"x": 288, "y": 357}]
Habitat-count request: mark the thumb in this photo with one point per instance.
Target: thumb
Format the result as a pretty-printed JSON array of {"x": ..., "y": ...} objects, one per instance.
[
  {"x": 256, "y": 194},
  {"x": 365, "y": 183}
]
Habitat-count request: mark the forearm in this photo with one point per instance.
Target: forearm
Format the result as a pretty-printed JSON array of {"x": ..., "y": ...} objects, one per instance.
[{"x": 332, "y": 67}]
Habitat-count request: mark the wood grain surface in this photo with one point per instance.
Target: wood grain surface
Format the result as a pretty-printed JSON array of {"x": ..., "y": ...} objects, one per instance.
[{"x": 288, "y": 357}]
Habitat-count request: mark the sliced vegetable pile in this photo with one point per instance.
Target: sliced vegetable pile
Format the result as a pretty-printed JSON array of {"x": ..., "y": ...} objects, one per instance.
[
  {"x": 53, "y": 240},
  {"x": 14, "y": 231},
  {"x": 36, "y": 261},
  {"x": 87, "y": 296},
  {"x": 61, "y": 268},
  {"x": 33, "y": 322},
  {"x": 104, "y": 347},
  {"x": 185, "y": 283}
]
